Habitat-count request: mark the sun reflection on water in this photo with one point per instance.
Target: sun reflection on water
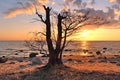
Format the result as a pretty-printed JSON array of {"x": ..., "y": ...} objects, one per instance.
[{"x": 84, "y": 47}]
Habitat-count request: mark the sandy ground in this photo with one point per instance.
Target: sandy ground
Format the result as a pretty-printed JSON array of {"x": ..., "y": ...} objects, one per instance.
[{"x": 106, "y": 67}]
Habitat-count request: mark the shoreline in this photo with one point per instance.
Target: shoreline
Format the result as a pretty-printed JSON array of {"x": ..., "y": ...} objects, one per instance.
[{"x": 107, "y": 65}]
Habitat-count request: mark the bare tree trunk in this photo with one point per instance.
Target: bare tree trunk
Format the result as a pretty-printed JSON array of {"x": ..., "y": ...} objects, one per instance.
[
  {"x": 54, "y": 58},
  {"x": 59, "y": 40},
  {"x": 54, "y": 54},
  {"x": 51, "y": 60}
]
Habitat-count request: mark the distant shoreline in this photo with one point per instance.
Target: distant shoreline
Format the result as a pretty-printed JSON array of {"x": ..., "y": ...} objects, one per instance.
[{"x": 73, "y": 41}]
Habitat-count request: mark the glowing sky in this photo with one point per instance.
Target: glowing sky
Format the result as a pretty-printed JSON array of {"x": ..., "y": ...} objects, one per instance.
[{"x": 16, "y": 21}]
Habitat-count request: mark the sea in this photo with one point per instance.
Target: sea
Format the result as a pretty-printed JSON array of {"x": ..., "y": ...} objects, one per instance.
[{"x": 13, "y": 48}]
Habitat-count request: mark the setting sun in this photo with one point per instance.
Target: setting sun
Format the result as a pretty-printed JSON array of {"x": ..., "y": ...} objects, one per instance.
[{"x": 84, "y": 33}]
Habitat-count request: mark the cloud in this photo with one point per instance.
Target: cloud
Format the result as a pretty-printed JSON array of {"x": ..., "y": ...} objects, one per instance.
[
  {"x": 26, "y": 8},
  {"x": 118, "y": 1},
  {"x": 92, "y": 2},
  {"x": 17, "y": 11},
  {"x": 77, "y": 3},
  {"x": 112, "y": 0},
  {"x": 117, "y": 12},
  {"x": 73, "y": 2},
  {"x": 67, "y": 2}
]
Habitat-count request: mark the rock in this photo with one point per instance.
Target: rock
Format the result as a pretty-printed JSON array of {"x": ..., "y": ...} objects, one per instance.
[
  {"x": 3, "y": 59},
  {"x": 68, "y": 50},
  {"x": 20, "y": 59},
  {"x": 103, "y": 60},
  {"x": 104, "y": 48},
  {"x": 12, "y": 62},
  {"x": 33, "y": 54},
  {"x": 70, "y": 60},
  {"x": 91, "y": 61},
  {"x": 45, "y": 55},
  {"x": 90, "y": 52},
  {"x": 85, "y": 50},
  {"x": 118, "y": 64},
  {"x": 113, "y": 62},
  {"x": 16, "y": 53},
  {"x": 79, "y": 61},
  {"x": 98, "y": 52},
  {"x": 36, "y": 60},
  {"x": 22, "y": 66}
]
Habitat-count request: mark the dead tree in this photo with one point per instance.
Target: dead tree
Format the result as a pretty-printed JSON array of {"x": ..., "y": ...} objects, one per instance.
[{"x": 67, "y": 24}]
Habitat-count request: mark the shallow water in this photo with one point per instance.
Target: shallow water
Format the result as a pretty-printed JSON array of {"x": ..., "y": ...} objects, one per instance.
[{"x": 113, "y": 47}]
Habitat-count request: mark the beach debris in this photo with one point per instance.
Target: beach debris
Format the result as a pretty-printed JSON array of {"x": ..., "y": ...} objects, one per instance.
[
  {"x": 36, "y": 60},
  {"x": 3, "y": 59},
  {"x": 33, "y": 54}
]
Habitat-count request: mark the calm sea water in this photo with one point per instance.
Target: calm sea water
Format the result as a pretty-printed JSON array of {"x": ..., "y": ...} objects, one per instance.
[{"x": 113, "y": 47}]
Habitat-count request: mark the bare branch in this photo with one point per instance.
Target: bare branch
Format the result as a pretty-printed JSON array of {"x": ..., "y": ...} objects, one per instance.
[{"x": 40, "y": 16}]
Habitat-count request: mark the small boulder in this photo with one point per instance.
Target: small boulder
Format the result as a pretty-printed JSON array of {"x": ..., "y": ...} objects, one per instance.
[
  {"x": 104, "y": 48},
  {"x": 45, "y": 55},
  {"x": 33, "y": 54},
  {"x": 3, "y": 59},
  {"x": 98, "y": 53},
  {"x": 20, "y": 59},
  {"x": 12, "y": 62},
  {"x": 36, "y": 60}
]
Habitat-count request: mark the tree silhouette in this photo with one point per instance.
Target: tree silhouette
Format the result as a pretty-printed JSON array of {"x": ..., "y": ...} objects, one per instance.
[{"x": 67, "y": 24}]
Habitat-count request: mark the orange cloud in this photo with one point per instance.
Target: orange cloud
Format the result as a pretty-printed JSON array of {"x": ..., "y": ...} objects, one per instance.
[
  {"x": 117, "y": 12},
  {"x": 28, "y": 8},
  {"x": 112, "y": 0}
]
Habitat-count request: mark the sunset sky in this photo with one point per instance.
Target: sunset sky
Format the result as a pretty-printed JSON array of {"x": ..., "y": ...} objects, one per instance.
[{"x": 16, "y": 18}]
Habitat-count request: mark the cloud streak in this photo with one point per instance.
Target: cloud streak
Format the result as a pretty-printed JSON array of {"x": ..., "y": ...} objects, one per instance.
[
  {"x": 26, "y": 8},
  {"x": 118, "y": 1}
]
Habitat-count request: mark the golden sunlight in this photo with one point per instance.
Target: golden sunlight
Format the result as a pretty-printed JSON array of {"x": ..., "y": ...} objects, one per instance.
[{"x": 84, "y": 33}]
